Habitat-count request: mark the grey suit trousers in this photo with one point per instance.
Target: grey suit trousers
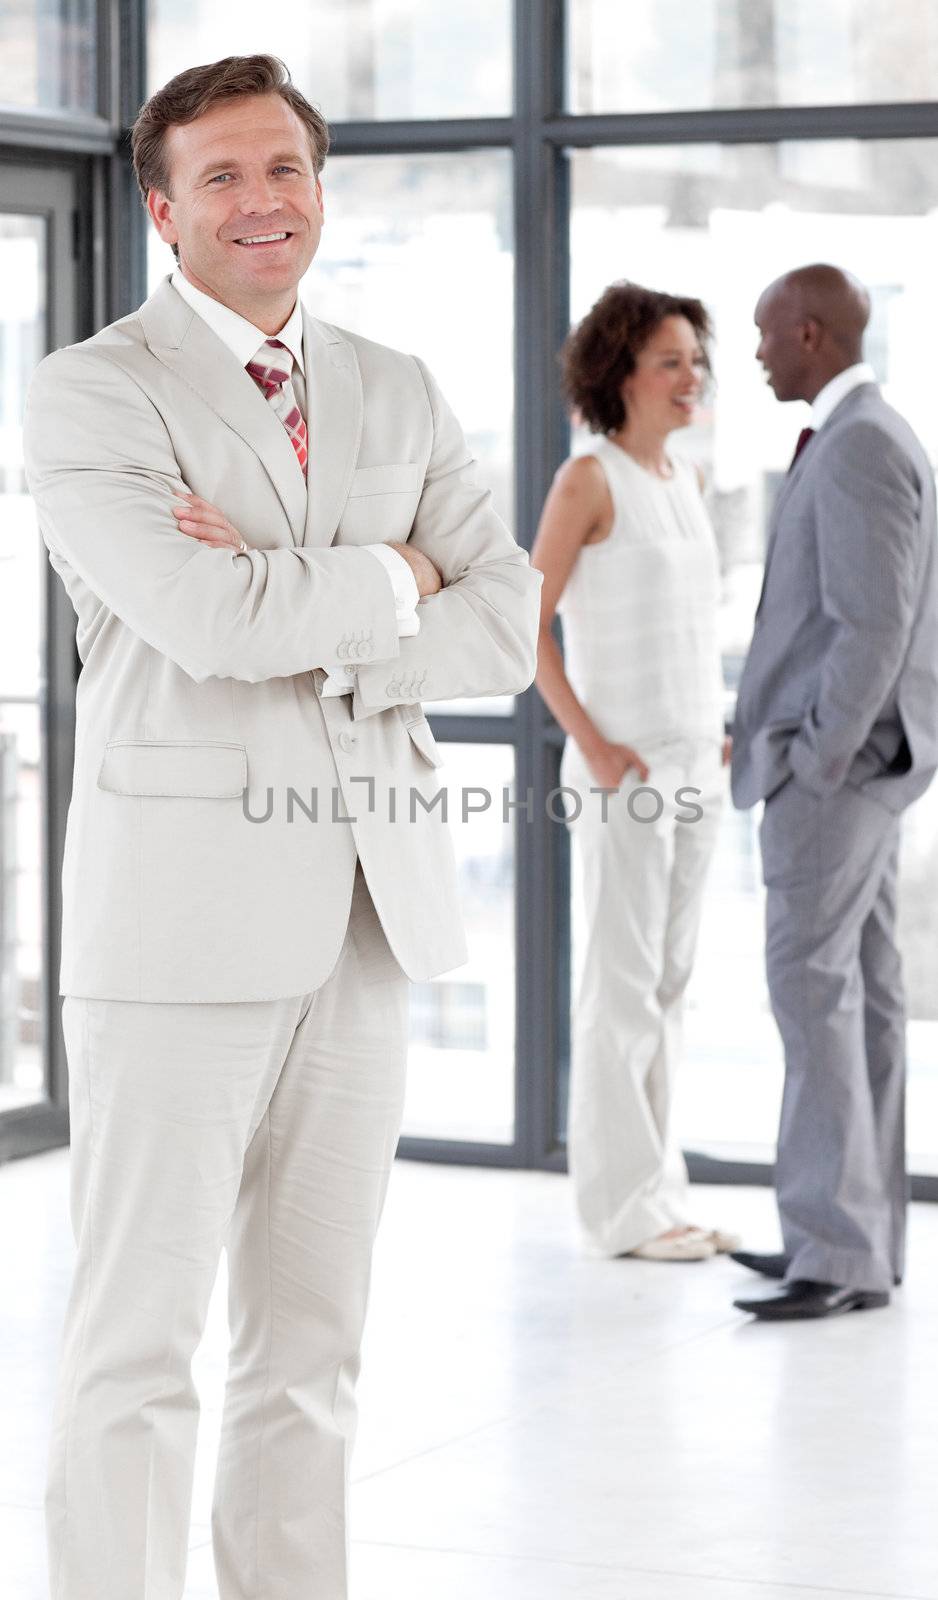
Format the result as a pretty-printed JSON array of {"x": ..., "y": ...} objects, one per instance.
[{"x": 835, "y": 981}]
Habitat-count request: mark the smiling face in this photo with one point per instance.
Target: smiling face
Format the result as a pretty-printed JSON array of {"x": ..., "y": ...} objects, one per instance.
[
  {"x": 663, "y": 391},
  {"x": 243, "y": 172}
]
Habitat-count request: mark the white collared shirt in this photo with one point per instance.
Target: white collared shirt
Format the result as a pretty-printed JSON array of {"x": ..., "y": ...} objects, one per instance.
[
  {"x": 241, "y": 336},
  {"x": 244, "y": 340},
  {"x": 826, "y": 403}
]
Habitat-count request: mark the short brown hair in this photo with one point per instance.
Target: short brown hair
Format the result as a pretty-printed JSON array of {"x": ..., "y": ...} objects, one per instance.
[
  {"x": 191, "y": 93},
  {"x": 602, "y": 350}
]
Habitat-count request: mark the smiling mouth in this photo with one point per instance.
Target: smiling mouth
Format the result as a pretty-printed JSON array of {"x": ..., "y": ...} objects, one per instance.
[{"x": 252, "y": 241}]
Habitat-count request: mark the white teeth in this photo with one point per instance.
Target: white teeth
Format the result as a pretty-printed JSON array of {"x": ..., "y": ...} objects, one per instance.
[{"x": 262, "y": 238}]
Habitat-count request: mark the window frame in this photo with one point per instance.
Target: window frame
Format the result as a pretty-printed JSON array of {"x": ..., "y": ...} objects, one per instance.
[{"x": 538, "y": 133}]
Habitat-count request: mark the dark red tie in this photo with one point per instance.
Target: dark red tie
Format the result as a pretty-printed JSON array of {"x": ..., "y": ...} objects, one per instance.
[{"x": 804, "y": 437}]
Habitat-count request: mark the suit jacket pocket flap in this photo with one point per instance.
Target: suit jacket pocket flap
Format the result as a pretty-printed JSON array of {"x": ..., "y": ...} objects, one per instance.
[
  {"x": 425, "y": 742},
  {"x": 183, "y": 768},
  {"x": 404, "y": 477}
]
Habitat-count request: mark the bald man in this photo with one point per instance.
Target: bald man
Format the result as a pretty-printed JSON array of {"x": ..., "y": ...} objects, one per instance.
[{"x": 836, "y": 730}]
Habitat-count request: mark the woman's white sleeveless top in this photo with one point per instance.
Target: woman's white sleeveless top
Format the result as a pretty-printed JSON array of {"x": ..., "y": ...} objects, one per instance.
[{"x": 640, "y": 610}]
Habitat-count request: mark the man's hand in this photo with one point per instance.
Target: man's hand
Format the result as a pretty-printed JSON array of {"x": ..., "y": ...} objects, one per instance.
[
  {"x": 201, "y": 520},
  {"x": 428, "y": 579},
  {"x": 610, "y": 763}
]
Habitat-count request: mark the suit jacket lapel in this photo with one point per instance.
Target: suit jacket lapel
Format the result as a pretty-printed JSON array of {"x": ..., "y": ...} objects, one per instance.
[
  {"x": 785, "y": 488},
  {"x": 182, "y": 341},
  {"x": 795, "y": 472},
  {"x": 334, "y": 420}
]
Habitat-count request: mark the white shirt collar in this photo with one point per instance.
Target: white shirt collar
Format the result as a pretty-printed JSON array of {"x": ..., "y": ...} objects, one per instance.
[
  {"x": 826, "y": 403},
  {"x": 241, "y": 336}
]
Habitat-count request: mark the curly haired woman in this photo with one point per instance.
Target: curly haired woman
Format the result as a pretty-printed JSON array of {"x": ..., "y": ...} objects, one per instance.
[{"x": 630, "y": 560}]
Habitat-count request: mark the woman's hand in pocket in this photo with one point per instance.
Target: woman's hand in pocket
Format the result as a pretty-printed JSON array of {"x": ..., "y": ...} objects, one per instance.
[{"x": 609, "y": 765}]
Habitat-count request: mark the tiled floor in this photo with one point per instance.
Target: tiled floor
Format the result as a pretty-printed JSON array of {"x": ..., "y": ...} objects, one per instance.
[{"x": 538, "y": 1426}]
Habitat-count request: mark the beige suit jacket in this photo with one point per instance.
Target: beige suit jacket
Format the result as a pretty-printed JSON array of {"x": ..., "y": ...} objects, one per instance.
[{"x": 199, "y": 705}]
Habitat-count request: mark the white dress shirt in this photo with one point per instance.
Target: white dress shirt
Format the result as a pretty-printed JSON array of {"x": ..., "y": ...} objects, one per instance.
[
  {"x": 244, "y": 341},
  {"x": 826, "y": 403}
]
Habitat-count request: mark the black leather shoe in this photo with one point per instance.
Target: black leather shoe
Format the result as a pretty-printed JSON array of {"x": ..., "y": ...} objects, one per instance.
[
  {"x": 771, "y": 1266},
  {"x": 800, "y": 1300}
]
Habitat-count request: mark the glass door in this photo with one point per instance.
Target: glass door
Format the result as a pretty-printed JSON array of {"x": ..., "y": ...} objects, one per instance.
[{"x": 37, "y": 314}]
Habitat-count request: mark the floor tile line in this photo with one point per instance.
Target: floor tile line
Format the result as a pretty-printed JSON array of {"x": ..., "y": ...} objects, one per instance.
[
  {"x": 643, "y": 1572},
  {"x": 443, "y": 1444},
  {"x": 525, "y": 1413}
]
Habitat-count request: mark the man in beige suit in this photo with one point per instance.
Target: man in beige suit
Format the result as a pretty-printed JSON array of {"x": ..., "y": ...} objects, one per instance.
[{"x": 245, "y": 506}]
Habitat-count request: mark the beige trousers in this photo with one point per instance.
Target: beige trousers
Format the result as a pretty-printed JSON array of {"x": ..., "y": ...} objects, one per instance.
[
  {"x": 640, "y": 891},
  {"x": 269, "y": 1127}
]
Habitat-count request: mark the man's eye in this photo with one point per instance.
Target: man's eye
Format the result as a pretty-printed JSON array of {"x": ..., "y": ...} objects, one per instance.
[
  {"x": 219, "y": 176},
  {"x": 285, "y": 169}
]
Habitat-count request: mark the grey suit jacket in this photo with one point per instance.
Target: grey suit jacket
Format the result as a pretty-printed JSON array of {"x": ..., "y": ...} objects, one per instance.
[
  {"x": 190, "y": 873},
  {"x": 841, "y": 682}
]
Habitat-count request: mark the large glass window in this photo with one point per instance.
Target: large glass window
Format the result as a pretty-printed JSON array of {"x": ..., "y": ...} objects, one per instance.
[
  {"x": 360, "y": 60},
  {"x": 721, "y": 222},
  {"x": 418, "y": 252},
  {"x": 48, "y": 55},
  {"x": 23, "y": 272},
  {"x": 666, "y": 55},
  {"x": 461, "y": 1064}
]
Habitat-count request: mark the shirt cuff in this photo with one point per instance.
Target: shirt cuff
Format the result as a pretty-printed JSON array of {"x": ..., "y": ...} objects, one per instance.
[
  {"x": 341, "y": 680},
  {"x": 404, "y": 584}
]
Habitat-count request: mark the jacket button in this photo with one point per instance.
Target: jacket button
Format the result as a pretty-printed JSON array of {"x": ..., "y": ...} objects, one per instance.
[{"x": 347, "y": 742}]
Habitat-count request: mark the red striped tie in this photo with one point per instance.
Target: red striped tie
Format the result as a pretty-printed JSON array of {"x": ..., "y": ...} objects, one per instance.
[{"x": 274, "y": 383}]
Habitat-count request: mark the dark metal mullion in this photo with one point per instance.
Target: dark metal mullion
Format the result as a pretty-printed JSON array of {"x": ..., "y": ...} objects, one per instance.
[
  {"x": 459, "y": 1152},
  {"x": 753, "y": 125},
  {"x": 63, "y": 135},
  {"x": 413, "y": 138},
  {"x": 69, "y": 299},
  {"x": 449, "y": 728},
  {"x": 58, "y": 757},
  {"x": 132, "y": 59},
  {"x": 540, "y": 313},
  {"x": 29, "y": 1130},
  {"x": 761, "y": 1174},
  {"x": 127, "y": 221},
  {"x": 108, "y": 63}
]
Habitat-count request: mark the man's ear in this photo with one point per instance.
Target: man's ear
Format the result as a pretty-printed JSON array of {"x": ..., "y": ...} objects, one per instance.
[
  {"x": 812, "y": 333},
  {"x": 160, "y": 208}
]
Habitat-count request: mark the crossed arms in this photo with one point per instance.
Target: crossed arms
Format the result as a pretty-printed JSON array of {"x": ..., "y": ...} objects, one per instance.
[{"x": 103, "y": 473}]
